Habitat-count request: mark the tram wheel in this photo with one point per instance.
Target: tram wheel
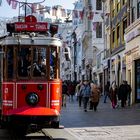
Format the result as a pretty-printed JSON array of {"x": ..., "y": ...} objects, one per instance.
[{"x": 55, "y": 124}]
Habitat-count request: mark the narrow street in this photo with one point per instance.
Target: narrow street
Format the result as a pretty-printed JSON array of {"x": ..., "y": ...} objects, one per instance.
[{"x": 106, "y": 123}]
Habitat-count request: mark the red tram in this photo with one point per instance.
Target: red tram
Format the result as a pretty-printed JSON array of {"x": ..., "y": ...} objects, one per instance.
[{"x": 31, "y": 85}]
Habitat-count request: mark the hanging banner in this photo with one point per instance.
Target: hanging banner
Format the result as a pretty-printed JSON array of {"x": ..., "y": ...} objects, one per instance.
[{"x": 9, "y": 2}]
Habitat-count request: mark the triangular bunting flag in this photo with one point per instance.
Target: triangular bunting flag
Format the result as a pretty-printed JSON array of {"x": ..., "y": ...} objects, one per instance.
[{"x": 14, "y": 4}]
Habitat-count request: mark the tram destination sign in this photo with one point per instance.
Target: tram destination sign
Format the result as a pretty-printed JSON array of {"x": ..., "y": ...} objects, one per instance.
[{"x": 31, "y": 27}]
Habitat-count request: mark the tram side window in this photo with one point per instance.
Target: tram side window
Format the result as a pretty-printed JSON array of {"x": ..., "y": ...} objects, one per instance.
[
  {"x": 53, "y": 65},
  {"x": 24, "y": 62},
  {"x": 10, "y": 61},
  {"x": 39, "y": 62}
]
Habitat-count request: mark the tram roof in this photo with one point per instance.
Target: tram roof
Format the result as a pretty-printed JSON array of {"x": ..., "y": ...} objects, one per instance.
[{"x": 26, "y": 40}]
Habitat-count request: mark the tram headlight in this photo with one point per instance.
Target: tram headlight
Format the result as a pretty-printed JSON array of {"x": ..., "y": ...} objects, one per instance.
[{"x": 32, "y": 99}]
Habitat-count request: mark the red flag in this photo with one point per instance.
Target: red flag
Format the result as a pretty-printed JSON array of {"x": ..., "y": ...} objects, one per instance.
[
  {"x": 14, "y": 4},
  {"x": 81, "y": 13},
  {"x": 34, "y": 7},
  {"x": 90, "y": 15}
]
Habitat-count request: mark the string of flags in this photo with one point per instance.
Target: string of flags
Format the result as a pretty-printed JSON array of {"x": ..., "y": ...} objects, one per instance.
[
  {"x": 65, "y": 12},
  {"x": 14, "y": 3}
]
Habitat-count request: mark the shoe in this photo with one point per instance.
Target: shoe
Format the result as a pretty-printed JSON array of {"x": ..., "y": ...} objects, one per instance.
[{"x": 85, "y": 110}]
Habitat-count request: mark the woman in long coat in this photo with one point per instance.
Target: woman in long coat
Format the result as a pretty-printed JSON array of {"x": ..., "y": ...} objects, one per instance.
[
  {"x": 95, "y": 97},
  {"x": 113, "y": 94}
]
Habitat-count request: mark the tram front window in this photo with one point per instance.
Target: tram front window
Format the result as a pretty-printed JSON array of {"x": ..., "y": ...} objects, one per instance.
[
  {"x": 39, "y": 62},
  {"x": 10, "y": 64},
  {"x": 53, "y": 63},
  {"x": 31, "y": 62},
  {"x": 24, "y": 62}
]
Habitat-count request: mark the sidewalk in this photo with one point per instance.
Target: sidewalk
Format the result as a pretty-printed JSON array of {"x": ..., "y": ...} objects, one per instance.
[{"x": 106, "y": 123}]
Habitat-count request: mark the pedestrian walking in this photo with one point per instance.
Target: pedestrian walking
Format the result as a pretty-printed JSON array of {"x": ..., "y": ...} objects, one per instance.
[
  {"x": 106, "y": 91},
  {"x": 77, "y": 90},
  {"x": 123, "y": 93},
  {"x": 64, "y": 93},
  {"x": 113, "y": 94},
  {"x": 80, "y": 99},
  {"x": 129, "y": 93},
  {"x": 86, "y": 93},
  {"x": 71, "y": 90},
  {"x": 95, "y": 96}
]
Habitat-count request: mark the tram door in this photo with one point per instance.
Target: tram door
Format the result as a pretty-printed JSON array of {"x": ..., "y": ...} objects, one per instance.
[{"x": 1, "y": 77}]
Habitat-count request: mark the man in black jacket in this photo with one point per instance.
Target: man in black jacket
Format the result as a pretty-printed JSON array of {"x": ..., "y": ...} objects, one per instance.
[{"x": 123, "y": 93}]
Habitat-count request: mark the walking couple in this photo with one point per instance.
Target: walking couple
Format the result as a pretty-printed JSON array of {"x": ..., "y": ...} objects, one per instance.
[{"x": 90, "y": 92}]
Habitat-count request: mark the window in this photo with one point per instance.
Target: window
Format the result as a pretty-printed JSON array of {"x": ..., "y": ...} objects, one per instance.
[
  {"x": 53, "y": 63},
  {"x": 98, "y": 4},
  {"x": 138, "y": 9},
  {"x": 124, "y": 25},
  {"x": 99, "y": 30},
  {"x": 124, "y": 1},
  {"x": 113, "y": 8},
  {"x": 113, "y": 36},
  {"x": 113, "y": 39},
  {"x": 118, "y": 31},
  {"x": 10, "y": 64},
  {"x": 31, "y": 63},
  {"x": 133, "y": 14},
  {"x": 118, "y": 34},
  {"x": 118, "y": 6}
]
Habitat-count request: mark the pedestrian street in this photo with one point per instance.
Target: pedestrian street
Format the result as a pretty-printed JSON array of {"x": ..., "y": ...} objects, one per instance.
[{"x": 105, "y": 124}]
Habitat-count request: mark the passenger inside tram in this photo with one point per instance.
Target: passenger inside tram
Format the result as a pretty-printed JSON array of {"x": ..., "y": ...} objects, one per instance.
[{"x": 39, "y": 68}]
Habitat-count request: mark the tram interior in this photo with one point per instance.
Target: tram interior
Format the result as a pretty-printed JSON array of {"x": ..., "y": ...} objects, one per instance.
[{"x": 30, "y": 62}]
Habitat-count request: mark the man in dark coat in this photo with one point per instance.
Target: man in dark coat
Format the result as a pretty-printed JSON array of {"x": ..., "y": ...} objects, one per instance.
[
  {"x": 64, "y": 93},
  {"x": 123, "y": 93}
]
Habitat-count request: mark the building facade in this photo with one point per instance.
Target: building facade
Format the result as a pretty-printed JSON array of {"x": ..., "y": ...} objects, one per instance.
[
  {"x": 132, "y": 51},
  {"x": 119, "y": 22}
]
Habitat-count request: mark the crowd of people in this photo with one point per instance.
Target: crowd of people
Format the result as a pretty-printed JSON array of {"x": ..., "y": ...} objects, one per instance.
[{"x": 88, "y": 94}]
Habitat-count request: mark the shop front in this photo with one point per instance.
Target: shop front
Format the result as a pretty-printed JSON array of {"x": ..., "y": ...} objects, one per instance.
[
  {"x": 133, "y": 73},
  {"x": 132, "y": 55},
  {"x": 137, "y": 80}
]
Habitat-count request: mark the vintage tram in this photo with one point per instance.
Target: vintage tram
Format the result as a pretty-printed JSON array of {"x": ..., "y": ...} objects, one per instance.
[{"x": 30, "y": 74}]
